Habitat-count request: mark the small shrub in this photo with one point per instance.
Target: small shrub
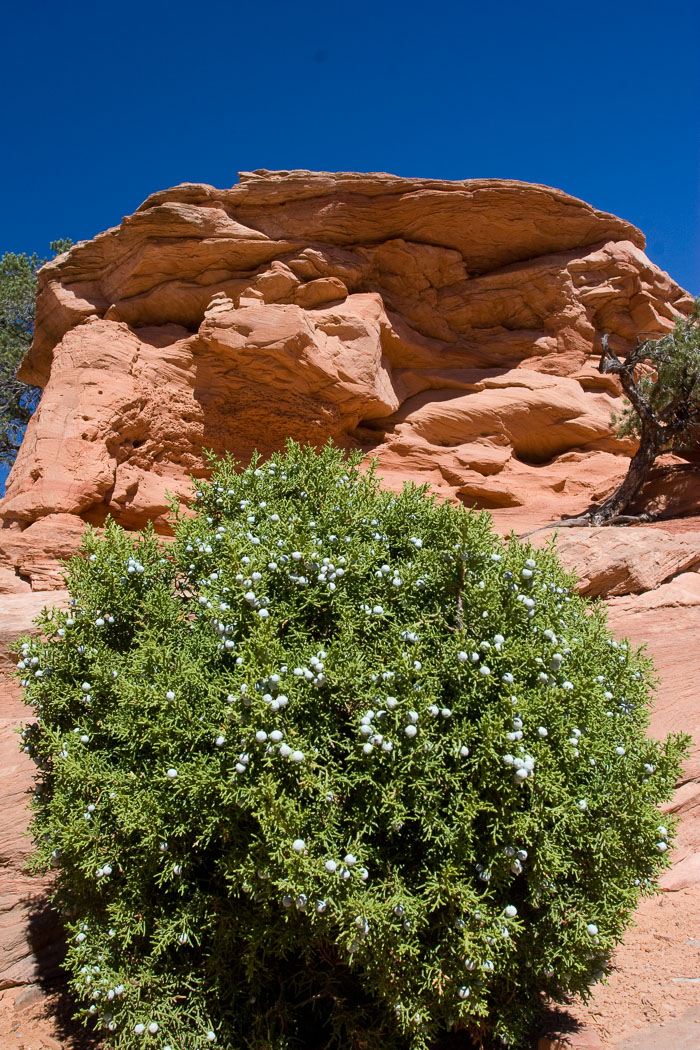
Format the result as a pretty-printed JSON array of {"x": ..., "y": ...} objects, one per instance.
[{"x": 337, "y": 765}]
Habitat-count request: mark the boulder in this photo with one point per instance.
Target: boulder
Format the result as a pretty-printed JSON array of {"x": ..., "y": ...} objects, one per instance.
[
  {"x": 32, "y": 558},
  {"x": 449, "y": 329},
  {"x": 614, "y": 560}
]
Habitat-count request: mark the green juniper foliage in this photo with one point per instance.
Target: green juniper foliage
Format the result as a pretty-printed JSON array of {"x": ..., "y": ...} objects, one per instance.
[
  {"x": 670, "y": 386},
  {"x": 661, "y": 379},
  {"x": 337, "y": 766},
  {"x": 17, "y": 400},
  {"x": 17, "y": 303}
]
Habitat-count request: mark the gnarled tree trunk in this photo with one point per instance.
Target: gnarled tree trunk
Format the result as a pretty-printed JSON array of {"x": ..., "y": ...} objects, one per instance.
[
  {"x": 651, "y": 439},
  {"x": 667, "y": 409},
  {"x": 637, "y": 473}
]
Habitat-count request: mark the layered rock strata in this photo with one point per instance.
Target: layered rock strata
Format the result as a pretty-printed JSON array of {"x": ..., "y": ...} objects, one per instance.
[{"x": 450, "y": 329}]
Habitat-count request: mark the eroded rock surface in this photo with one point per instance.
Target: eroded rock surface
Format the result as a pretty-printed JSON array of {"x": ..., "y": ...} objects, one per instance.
[
  {"x": 450, "y": 329},
  {"x": 615, "y": 561}
]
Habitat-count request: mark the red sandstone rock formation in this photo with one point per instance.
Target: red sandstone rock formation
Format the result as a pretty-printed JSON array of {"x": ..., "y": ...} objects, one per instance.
[{"x": 450, "y": 329}]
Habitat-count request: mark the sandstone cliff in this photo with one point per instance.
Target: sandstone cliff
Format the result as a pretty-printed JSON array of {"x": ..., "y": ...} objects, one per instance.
[{"x": 450, "y": 329}]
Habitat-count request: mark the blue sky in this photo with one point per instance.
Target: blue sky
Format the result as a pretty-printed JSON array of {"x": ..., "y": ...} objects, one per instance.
[{"x": 106, "y": 103}]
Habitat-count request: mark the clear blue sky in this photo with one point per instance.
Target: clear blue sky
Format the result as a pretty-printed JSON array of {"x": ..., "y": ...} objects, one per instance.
[{"x": 105, "y": 103}]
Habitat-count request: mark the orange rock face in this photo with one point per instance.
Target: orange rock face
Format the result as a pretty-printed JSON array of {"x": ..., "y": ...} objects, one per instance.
[{"x": 449, "y": 329}]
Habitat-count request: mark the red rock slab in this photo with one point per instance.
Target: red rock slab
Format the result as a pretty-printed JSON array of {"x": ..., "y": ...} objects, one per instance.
[
  {"x": 667, "y": 621},
  {"x": 17, "y": 615},
  {"x": 32, "y": 558},
  {"x": 614, "y": 561},
  {"x": 26, "y": 1020},
  {"x": 652, "y": 993},
  {"x": 21, "y": 895}
]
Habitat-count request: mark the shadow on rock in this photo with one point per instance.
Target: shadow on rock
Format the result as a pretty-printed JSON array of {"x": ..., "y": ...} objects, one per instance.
[
  {"x": 556, "y": 1028},
  {"x": 46, "y": 937}
]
